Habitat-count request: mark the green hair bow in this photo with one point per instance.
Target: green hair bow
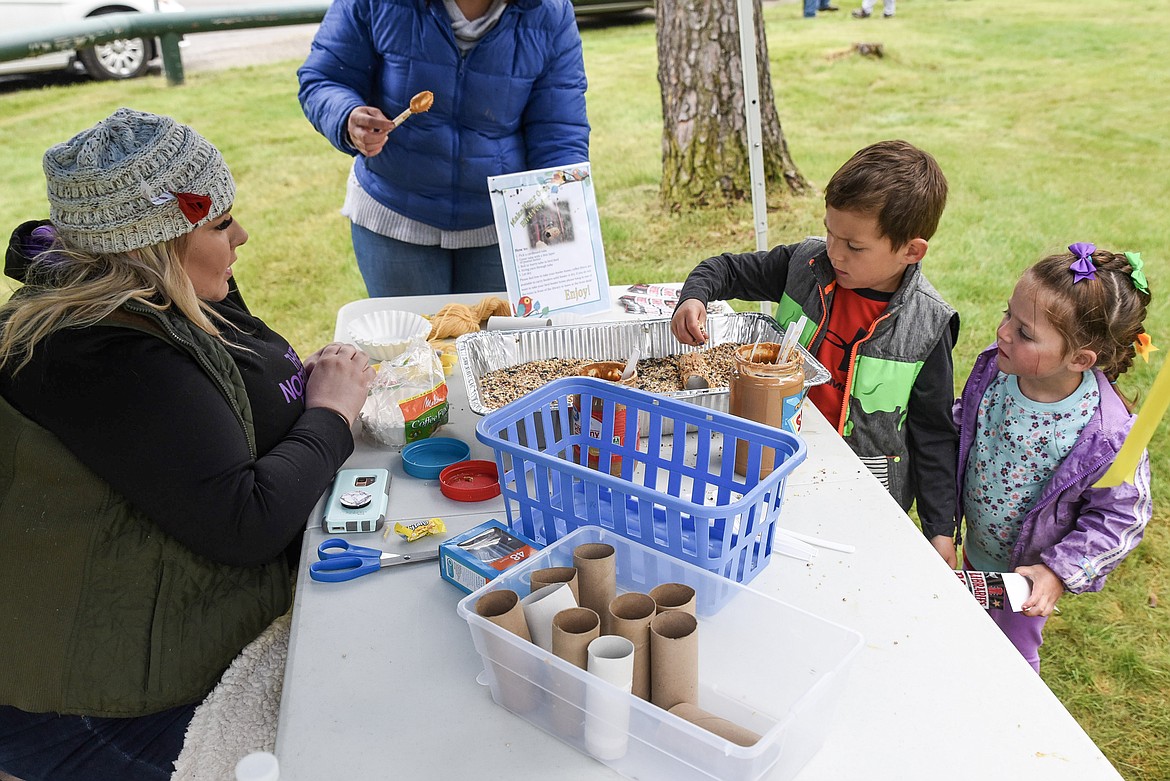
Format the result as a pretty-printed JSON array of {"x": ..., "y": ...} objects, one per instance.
[{"x": 1137, "y": 275}]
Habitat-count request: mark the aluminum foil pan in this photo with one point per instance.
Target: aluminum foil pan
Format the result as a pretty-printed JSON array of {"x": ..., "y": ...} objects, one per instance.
[{"x": 486, "y": 351}]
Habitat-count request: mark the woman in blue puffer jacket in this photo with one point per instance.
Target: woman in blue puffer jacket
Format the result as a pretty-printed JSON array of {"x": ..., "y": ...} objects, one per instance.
[{"x": 509, "y": 95}]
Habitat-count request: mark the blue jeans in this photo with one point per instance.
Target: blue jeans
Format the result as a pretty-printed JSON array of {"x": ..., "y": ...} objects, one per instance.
[
  {"x": 397, "y": 268},
  {"x": 812, "y": 6},
  {"x": 50, "y": 747}
]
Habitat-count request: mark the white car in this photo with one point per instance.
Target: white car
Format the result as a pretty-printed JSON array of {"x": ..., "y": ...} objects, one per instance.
[{"x": 119, "y": 59}]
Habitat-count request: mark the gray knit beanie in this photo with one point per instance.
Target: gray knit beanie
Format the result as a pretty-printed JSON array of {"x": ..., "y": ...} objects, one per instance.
[{"x": 133, "y": 180}]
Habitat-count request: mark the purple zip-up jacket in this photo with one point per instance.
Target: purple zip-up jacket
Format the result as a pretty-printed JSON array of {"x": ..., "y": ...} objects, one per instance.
[{"x": 1079, "y": 532}]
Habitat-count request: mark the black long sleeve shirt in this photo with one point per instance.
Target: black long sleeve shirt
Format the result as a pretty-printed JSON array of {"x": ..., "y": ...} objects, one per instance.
[{"x": 146, "y": 419}]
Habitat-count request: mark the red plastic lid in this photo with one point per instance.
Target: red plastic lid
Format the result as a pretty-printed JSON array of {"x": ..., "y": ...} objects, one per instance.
[{"x": 470, "y": 481}]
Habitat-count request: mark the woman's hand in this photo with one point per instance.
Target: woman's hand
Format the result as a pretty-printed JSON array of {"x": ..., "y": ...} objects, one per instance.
[
  {"x": 688, "y": 322},
  {"x": 1047, "y": 587},
  {"x": 367, "y": 128},
  {"x": 339, "y": 375}
]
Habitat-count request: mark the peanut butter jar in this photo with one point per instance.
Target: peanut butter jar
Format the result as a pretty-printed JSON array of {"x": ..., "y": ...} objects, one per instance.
[
  {"x": 611, "y": 371},
  {"x": 767, "y": 392}
]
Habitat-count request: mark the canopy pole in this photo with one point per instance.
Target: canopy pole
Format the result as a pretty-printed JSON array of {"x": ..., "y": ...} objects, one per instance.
[{"x": 751, "y": 95}]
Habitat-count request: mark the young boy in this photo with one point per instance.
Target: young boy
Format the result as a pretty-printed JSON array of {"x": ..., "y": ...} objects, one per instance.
[{"x": 876, "y": 324}]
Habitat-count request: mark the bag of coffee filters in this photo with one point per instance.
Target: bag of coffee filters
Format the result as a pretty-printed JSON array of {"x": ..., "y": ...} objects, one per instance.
[{"x": 407, "y": 400}]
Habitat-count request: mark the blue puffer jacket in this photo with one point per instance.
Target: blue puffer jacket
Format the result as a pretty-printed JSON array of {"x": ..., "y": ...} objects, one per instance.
[{"x": 516, "y": 102}]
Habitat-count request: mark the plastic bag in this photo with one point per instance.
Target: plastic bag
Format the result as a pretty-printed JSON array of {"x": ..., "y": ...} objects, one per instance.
[{"x": 408, "y": 399}]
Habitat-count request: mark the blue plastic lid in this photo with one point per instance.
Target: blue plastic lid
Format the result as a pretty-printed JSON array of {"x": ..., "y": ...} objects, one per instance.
[{"x": 426, "y": 458}]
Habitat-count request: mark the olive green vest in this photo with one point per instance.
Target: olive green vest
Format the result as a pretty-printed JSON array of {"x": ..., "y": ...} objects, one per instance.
[{"x": 101, "y": 612}]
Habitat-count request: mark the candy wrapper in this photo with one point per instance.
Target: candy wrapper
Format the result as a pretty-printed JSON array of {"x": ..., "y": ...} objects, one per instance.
[
  {"x": 996, "y": 589},
  {"x": 419, "y": 529},
  {"x": 408, "y": 399}
]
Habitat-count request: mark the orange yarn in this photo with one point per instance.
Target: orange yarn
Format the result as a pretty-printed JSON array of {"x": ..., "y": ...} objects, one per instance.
[{"x": 457, "y": 319}]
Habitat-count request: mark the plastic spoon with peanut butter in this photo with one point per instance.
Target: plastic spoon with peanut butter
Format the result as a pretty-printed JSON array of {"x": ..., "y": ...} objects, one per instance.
[{"x": 418, "y": 104}]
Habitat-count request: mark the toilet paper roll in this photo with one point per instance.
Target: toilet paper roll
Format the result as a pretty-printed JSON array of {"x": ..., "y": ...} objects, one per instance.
[
  {"x": 572, "y": 631},
  {"x": 497, "y": 323},
  {"x": 607, "y": 708},
  {"x": 516, "y": 691},
  {"x": 674, "y": 659},
  {"x": 728, "y": 730},
  {"x": 630, "y": 616},
  {"x": 502, "y": 608},
  {"x": 674, "y": 596},
  {"x": 550, "y": 575},
  {"x": 596, "y": 565},
  {"x": 691, "y": 371},
  {"x": 541, "y": 606}
]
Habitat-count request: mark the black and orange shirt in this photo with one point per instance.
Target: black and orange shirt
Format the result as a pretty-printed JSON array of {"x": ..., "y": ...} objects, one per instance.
[{"x": 852, "y": 315}]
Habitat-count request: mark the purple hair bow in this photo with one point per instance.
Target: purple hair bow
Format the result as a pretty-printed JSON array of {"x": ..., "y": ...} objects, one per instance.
[{"x": 1082, "y": 267}]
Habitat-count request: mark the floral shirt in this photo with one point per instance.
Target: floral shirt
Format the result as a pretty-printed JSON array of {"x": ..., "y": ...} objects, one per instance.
[{"x": 1017, "y": 446}]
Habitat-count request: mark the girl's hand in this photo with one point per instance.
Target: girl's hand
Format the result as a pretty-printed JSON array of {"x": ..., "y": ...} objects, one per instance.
[
  {"x": 945, "y": 545},
  {"x": 1047, "y": 587},
  {"x": 367, "y": 128},
  {"x": 339, "y": 375},
  {"x": 688, "y": 322}
]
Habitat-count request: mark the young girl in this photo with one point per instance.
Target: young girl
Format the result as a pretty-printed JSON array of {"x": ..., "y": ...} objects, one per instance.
[{"x": 1040, "y": 422}]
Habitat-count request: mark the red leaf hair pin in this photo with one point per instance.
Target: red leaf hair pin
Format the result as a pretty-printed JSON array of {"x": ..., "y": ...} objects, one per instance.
[{"x": 194, "y": 207}]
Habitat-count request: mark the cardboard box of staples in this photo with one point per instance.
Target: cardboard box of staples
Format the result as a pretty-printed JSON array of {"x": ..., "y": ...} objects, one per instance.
[{"x": 481, "y": 554}]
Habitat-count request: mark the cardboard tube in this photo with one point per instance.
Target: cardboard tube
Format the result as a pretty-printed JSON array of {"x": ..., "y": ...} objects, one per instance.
[
  {"x": 541, "y": 606},
  {"x": 630, "y": 616},
  {"x": 550, "y": 575},
  {"x": 516, "y": 691},
  {"x": 674, "y": 659},
  {"x": 572, "y": 631},
  {"x": 607, "y": 708},
  {"x": 728, "y": 730},
  {"x": 673, "y": 596},
  {"x": 596, "y": 565},
  {"x": 496, "y": 323},
  {"x": 691, "y": 371},
  {"x": 502, "y": 608}
]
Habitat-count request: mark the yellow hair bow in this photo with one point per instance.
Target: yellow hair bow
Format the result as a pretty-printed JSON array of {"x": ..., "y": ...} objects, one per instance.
[{"x": 1144, "y": 345}]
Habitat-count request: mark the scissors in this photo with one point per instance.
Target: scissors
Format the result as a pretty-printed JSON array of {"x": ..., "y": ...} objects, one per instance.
[{"x": 343, "y": 561}]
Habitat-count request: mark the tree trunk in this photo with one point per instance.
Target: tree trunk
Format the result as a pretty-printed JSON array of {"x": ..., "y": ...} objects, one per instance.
[{"x": 704, "y": 136}]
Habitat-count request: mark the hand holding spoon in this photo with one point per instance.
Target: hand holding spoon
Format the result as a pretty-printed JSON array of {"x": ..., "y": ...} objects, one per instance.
[{"x": 420, "y": 103}]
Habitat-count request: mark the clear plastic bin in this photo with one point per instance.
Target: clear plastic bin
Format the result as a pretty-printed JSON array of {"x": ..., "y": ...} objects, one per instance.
[
  {"x": 672, "y": 489},
  {"x": 763, "y": 664}
]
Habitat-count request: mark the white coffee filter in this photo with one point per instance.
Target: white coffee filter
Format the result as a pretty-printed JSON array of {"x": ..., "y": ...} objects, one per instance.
[{"x": 385, "y": 333}]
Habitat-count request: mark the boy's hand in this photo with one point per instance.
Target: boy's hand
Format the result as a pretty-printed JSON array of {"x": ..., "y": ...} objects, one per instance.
[
  {"x": 1047, "y": 587},
  {"x": 945, "y": 545},
  {"x": 689, "y": 322}
]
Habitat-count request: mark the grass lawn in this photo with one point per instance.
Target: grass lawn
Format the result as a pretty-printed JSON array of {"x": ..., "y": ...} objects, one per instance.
[{"x": 1048, "y": 117}]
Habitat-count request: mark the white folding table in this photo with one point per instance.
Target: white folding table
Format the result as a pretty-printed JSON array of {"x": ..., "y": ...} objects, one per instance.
[{"x": 381, "y": 675}]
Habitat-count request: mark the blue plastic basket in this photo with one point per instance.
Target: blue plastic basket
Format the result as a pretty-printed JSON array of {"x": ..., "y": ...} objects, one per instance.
[{"x": 674, "y": 492}]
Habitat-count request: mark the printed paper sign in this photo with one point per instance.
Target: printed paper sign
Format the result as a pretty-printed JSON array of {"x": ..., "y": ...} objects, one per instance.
[{"x": 550, "y": 241}]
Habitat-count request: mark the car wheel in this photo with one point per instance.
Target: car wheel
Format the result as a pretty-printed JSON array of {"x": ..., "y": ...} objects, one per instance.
[{"x": 124, "y": 58}]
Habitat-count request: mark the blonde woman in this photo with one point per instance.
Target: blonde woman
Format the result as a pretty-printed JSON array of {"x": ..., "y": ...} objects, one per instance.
[{"x": 160, "y": 449}]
